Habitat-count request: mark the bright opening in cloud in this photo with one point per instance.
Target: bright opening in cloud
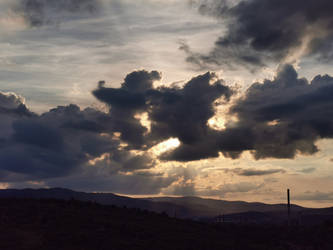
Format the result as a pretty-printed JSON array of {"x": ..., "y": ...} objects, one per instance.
[
  {"x": 165, "y": 146},
  {"x": 101, "y": 158},
  {"x": 144, "y": 120},
  {"x": 217, "y": 123}
]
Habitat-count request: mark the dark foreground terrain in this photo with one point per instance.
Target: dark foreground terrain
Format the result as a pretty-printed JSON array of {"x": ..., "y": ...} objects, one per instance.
[
  {"x": 56, "y": 224},
  {"x": 194, "y": 208}
]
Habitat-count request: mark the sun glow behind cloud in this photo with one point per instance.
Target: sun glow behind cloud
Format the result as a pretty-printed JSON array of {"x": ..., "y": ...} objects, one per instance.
[
  {"x": 165, "y": 146},
  {"x": 101, "y": 158},
  {"x": 144, "y": 120},
  {"x": 217, "y": 123}
]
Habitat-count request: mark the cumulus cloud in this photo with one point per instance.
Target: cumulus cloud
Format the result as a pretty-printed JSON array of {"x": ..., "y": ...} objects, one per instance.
[
  {"x": 128, "y": 101},
  {"x": 11, "y": 103},
  {"x": 260, "y": 31},
  {"x": 58, "y": 142},
  {"x": 278, "y": 118},
  {"x": 181, "y": 112},
  {"x": 11, "y": 107},
  {"x": 286, "y": 115}
]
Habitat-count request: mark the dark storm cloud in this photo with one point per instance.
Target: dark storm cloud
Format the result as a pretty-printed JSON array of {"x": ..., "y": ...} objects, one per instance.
[
  {"x": 38, "y": 134},
  {"x": 261, "y": 31},
  {"x": 184, "y": 112},
  {"x": 287, "y": 115},
  {"x": 44, "y": 146},
  {"x": 127, "y": 102},
  {"x": 59, "y": 142},
  {"x": 12, "y": 107},
  {"x": 277, "y": 118},
  {"x": 231, "y": 143},
  {"x": 66, "y": 140},
  {"x": 172, "y": 111},
  {"x": 45, "y": 12},
  {"x": 138, "y": 162}
]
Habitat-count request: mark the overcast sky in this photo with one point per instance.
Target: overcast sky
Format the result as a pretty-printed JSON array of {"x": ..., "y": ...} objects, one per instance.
[{"x": 215, "y": 98}]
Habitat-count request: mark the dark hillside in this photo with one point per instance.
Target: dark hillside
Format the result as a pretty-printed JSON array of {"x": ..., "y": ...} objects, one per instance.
[
  {"x": 55, "y": 224},
  {"x": 184, "y": 207}
]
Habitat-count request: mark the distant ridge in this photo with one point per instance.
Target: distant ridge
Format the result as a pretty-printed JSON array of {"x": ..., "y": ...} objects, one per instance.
[
  {"x": 182, "y": 207},
  {"x": 212, "y": 206},
  {"x": 101, "y": 198}
]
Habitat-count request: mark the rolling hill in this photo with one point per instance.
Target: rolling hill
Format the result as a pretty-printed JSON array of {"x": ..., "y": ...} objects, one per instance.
[
  {"x": 52, "y": 224},
  {"x": 180, "y": 207}
]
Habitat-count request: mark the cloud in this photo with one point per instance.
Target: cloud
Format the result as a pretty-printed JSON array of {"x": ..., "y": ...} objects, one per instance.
[
  {"x": 61, "y": 143},
  {"x": 253, "y": 171},
  {"x": 315, "y": 196},
  {"x": 278, "y": 118},
  {"x": 287, "y": 115},
  {"x": 128, "y": 101},
  {"x": 229, "y": 188},
  {"x": 307, "y": 170},
  {"x": 70, "y": 144},
  {"x": 184, "y": 112},
  {"x": 58, "y": 142},
  {"x": 282, "y": 32},
  {"x": 99, "y": 178},
  {"x": 11, "y": 107},
  {"x": 10, "y": 103},
  {"x": 39, "y": 13},
  {"x": 184, "y": 183},
  {"x": 181, "y": 112},
  {"x": 42, "y": 145}
]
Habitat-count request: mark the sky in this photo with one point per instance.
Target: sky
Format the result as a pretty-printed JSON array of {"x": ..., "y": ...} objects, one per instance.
[{"x": 228, "y": 99}]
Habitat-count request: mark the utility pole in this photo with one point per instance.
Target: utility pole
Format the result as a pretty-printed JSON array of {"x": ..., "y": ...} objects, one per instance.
[{"x": 288, "y": 196}]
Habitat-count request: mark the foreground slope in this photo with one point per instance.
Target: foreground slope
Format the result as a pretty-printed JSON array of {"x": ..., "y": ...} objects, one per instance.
[{"x": 55, "y": 224}]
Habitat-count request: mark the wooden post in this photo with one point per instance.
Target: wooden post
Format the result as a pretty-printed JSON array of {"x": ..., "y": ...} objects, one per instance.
[{"x": 288, "y": 195}]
